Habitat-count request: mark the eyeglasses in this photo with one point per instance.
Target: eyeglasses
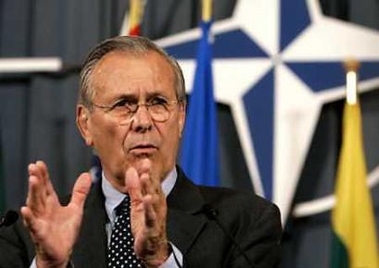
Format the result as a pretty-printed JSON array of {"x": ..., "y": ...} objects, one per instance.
[{"x": 123, "y": 110}]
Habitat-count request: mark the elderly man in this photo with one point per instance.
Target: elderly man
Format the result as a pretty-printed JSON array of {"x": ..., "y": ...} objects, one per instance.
[{"x": 144, "y": 212}]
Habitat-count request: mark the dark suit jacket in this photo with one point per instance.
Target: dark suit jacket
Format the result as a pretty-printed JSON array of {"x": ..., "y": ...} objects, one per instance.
[{"x": 253, "y": 222}]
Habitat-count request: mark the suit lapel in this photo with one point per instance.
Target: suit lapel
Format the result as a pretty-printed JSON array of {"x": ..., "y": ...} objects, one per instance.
[
  {"x": 91, "y": 248},
  {"x": 184, "y": 220}
]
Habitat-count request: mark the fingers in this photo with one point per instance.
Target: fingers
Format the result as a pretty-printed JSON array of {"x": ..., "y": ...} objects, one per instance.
[
  {"x": 145, "y": 166},
  {"x": 154, "y": 201},
  {"x": 132, "y": 184},
  {"x": 45, "y": 177},
  {"x": 39, "y": 187},
  {"x": 27, "y": 216},
  {"x": 81, "y": 189},
  {"x": 36, "y": 196},
  {"x": 151, "y": 218},
  {"x": 145, "y": 190}
]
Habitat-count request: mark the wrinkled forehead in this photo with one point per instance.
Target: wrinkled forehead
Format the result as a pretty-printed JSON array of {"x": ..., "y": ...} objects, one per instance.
[{"x": 132, "y": 73}]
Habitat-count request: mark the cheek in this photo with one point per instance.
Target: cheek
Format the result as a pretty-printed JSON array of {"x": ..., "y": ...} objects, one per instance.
[
  {"x": 107, "y": 135},
  {"x": 171, "y": 138}
]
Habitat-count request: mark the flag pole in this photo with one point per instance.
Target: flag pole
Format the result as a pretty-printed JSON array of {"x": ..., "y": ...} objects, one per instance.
[
  {"x": 206, "y": 10},
  {"x": 136, "y": 8},
  {"x": 351, "y": 68}
]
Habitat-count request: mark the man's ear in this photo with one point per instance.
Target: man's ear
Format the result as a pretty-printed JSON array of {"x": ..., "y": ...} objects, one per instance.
[
  {"x": 182, "y": 118},
  {"x": 83, "y": 123}
]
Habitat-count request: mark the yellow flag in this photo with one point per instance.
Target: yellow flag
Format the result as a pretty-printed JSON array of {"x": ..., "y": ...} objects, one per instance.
[{"x": 355, "y": 241}]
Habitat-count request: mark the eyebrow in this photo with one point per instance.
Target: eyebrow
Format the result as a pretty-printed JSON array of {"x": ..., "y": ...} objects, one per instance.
[{"x": 149, "y": 95}]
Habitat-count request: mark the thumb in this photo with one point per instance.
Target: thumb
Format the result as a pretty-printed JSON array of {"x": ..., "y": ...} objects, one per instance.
[{"x": 81, "y": 189}]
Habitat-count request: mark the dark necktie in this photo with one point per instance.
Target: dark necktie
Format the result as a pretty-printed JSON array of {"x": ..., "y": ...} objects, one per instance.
[{"x": 121, "y": 251}]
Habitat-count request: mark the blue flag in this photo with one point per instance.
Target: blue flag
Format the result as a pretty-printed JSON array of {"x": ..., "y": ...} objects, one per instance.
[{"x": 199, "y": 151}]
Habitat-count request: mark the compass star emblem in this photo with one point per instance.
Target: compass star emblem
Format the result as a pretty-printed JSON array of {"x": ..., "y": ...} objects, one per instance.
[{"x": 276, "y": 63}]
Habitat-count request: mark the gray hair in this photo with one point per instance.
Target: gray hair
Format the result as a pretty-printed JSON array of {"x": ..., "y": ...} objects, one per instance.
[{"x": 135, "y": 45}]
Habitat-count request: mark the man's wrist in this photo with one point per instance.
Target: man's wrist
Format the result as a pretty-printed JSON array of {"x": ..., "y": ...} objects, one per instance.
[
  {"x": 46, "y": 264},
  {"x": 175, "y": 259},
  {"x": 160, "y": 258}
]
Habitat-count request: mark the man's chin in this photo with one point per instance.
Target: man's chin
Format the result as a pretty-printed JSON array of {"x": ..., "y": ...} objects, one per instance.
[{"x": 139, "y": 159}]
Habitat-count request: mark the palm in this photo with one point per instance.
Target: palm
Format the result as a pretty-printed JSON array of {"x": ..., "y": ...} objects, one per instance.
[{"x": 57, "y": 230}]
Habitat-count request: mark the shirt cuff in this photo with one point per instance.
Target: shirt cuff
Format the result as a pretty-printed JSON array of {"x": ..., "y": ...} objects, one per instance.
[
  {"x": 175, "y": 260},
  {"x": 34, "y": 265}
]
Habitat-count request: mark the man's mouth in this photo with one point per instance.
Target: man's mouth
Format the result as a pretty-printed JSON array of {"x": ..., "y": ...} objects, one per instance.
[{"x": 143, "y": 149}]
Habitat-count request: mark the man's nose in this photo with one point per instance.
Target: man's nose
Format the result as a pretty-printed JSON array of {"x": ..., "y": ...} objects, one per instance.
[{"x": 142, "y": 120}]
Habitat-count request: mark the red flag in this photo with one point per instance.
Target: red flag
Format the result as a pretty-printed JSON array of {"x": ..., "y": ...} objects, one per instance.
[{"x": 135, "y": 16}]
